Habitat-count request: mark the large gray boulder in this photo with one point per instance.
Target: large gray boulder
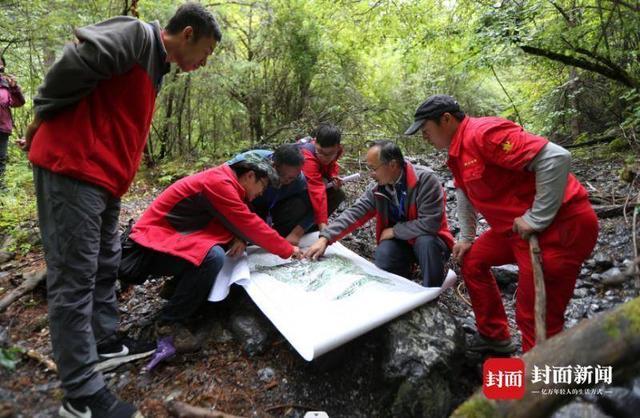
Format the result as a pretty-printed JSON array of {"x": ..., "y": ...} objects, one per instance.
[{"x": 422, "y": 355}]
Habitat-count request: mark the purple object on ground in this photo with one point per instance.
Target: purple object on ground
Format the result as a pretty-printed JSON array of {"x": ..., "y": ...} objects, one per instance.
[{"x": 164, "y": 351}]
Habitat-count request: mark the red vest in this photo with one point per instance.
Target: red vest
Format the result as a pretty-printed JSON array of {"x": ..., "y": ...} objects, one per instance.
[
  {"x": 101, "y": 138},
  {"x": 487, "y": 157},
  {"x": 314, "y": 172}
]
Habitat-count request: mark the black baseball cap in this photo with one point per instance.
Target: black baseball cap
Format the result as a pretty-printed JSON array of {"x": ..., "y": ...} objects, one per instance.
[{"x": 432, "y": 108}]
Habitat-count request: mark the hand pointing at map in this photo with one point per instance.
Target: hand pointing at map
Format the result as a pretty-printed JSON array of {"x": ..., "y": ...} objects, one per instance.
[{"x": 317, "y": 249}]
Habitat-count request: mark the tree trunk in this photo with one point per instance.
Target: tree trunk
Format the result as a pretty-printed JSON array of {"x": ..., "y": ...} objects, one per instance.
[
  {"x": 614, "y": 73},
  {"x": 610, "y": 339}
]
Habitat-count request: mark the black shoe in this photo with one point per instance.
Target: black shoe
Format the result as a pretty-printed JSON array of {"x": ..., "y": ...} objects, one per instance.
[
  {"x": 124, "y": 346},
  {"x": 102, "y": 404},
  {"x": 482, "y": 344}
]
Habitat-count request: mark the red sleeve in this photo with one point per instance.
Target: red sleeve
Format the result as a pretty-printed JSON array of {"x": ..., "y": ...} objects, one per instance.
[
  {"x": 316, "y": 188},
  {"x": 507, "y": 144},
  {"x": 236, "y": 216}
]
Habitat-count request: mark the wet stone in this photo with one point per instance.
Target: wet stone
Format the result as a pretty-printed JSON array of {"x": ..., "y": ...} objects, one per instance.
[
  {"x": 422, "y": 352},
  {"x": 266, "y": 374},
  {"x": 251, "y": 332},
  {"x": 579, "y": 409},
  {"x": 613, "y": 277},
  {"x": 602, "y": 262},
  {"x": 505, "y": 274}
]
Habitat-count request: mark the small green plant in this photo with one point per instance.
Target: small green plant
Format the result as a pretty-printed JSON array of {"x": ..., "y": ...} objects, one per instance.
[{"x": 9, "y": 357}]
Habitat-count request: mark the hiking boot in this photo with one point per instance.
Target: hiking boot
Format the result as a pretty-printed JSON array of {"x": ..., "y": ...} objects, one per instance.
[
  {"x": 124, "y": 346},
  {"x": 183, "y": 340},
  {"x": 482, "y": 344},
  {"x": 102, "y": 404}
]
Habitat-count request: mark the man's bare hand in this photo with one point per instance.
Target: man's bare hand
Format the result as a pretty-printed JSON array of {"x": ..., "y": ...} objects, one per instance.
[
  {"x": 522, "y": 228},
  {"x": 317, "y": 249},
  {"x": 337, "y": 182},
  {"x": 237, "y": 247},
  {"x": 387, "y": 233},
  {"x": 11, "y": 80},
  {"x": 297, "y": 253},
  {"x": 25, "y": 143},
  {"x": 460, "y": 248}
]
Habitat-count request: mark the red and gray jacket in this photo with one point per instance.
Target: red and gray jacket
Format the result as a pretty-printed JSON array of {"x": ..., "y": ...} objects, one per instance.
[
  {"x": 97, "y": 102},
  {"x": 316, "y": 173},
  {"x": 424, "y": 207},
  {"x": 200, "y": 211},
  {"x": 9, "y": 97}
]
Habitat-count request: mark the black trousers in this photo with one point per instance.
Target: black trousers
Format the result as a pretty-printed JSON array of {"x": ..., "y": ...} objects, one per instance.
[{"x": 297, "y": 211}]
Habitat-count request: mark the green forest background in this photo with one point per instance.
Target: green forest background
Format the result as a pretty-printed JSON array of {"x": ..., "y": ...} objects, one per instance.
[{"x": 568, "y": 70}]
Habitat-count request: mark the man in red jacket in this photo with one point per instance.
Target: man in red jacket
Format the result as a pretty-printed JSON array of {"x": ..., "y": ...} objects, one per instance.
[
  {"x": 411, "y": 223},
  {"x": 321, "y": 153},
  {"x": 192, "y": 224},
  {"x": 92, "y": 117},
  {"x": 521, "y": 184}
]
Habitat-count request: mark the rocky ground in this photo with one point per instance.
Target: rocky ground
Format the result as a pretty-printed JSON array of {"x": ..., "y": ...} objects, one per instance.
[{"x": 246, "y": 368}]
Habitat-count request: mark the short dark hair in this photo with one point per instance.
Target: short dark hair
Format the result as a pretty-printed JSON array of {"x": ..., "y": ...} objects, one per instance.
[
  {"x": 459, "y": 115},
  {"x": 389, "y": 151},
  {"x": 288, "y": 154},
  {"x": 327, "y": 135},
  {"x": 242, "y": 167},
  {"x": 199, "y": 18}
]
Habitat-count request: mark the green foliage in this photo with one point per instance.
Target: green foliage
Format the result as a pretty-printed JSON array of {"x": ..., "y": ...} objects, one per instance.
[
  {"x": 17, "y": 203},
  {"x": 618, "y": 145},
  {"x": 286, "y": 65},
  {"x": 9, "y": 357}
]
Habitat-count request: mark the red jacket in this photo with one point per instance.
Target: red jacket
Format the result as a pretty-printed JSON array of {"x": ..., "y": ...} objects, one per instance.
[
  {"x": 97, "y": 103},
  {"x": 314, "y": 172},
  {"x": 487, "y": 157},
  {"x": 200, "y": 211},
  {"x": 432, "y": 200}
]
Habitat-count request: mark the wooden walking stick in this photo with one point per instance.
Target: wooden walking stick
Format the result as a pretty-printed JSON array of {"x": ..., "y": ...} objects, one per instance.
[{"x": 540, "y": 307}]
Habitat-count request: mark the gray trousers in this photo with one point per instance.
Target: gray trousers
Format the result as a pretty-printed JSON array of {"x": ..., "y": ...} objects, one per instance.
[
  {"x": 431, "y": 253},
  {"x": 79, "y": 227}
]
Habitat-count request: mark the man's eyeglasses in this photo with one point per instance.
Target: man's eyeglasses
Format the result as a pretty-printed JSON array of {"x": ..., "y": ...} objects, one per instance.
[{"x": 374, "y": 169}]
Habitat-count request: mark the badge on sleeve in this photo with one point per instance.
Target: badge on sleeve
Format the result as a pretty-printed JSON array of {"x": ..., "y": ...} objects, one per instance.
[{"x": 507, "y": 146}]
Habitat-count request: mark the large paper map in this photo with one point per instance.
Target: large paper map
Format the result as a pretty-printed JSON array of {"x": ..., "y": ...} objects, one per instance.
[{"x": 320, "y": 305}]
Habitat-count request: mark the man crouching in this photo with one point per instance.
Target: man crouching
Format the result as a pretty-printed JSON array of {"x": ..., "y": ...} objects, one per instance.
[{"x": 411, "y": 224}]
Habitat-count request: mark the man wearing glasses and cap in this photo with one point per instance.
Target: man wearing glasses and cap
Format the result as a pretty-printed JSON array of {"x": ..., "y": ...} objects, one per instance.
[{"x": 520, "y": 183}]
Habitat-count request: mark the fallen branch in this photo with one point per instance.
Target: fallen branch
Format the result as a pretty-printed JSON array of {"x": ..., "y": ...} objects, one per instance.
[
  {"x": 608, "y": 211},
  {"x": 112, "y": 363},
  {"x": 46, "y": 361},
  {"x": 31, "y": 281},
  {"x": 610, "y": 339},
  {"x": 291, "y": 405},
  {"x": 184, "y": 410}
]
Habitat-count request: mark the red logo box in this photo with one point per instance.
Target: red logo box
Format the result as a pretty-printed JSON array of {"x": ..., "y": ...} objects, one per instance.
[{"x": 503, "y": 378}]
